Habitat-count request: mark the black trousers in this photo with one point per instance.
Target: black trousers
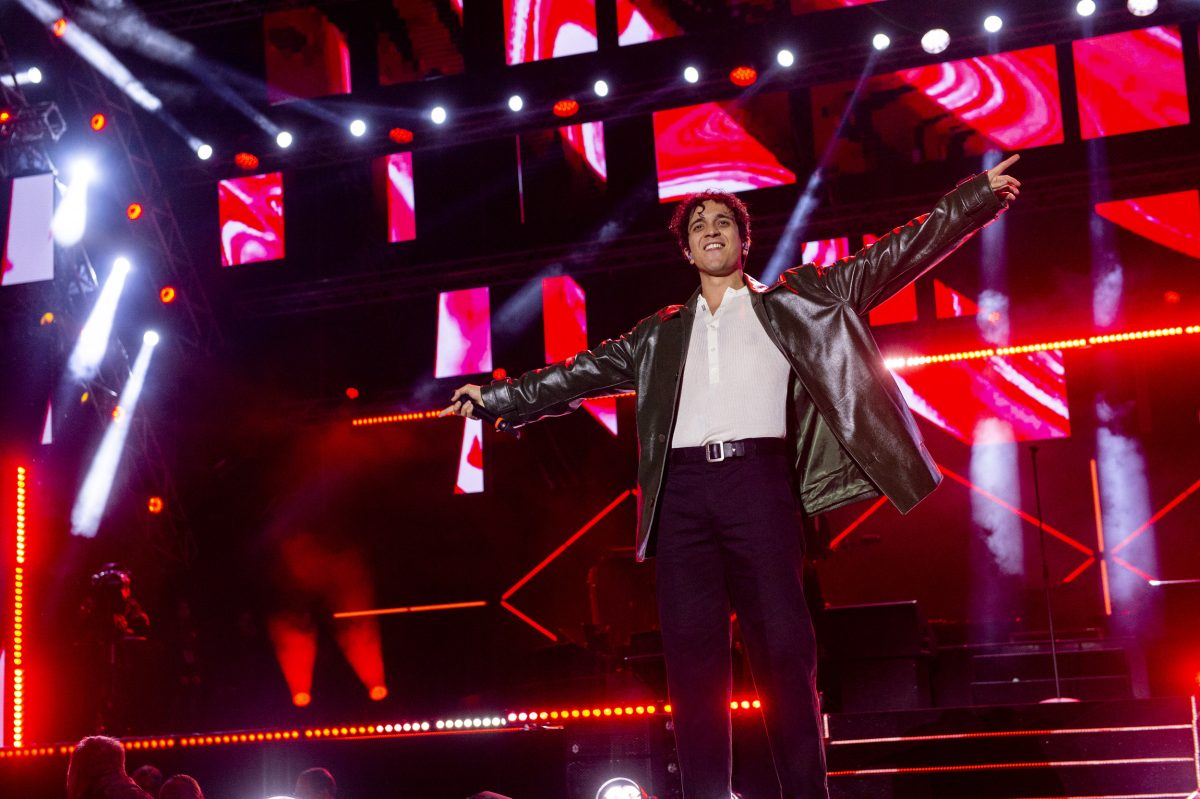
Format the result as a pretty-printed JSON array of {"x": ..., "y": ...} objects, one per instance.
[{"x": 728, "y": 539}]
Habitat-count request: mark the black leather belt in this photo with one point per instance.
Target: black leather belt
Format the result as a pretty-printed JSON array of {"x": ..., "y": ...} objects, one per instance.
[{"x": 718, "y": 451}]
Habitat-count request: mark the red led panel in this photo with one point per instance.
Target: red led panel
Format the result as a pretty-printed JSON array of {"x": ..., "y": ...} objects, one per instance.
[
  {"x": 1000, "y": 399},
  {"x": 587, "y": 141},
  {"x": 251, "y": 211},
  {"x": 470, "y": 459},
  {"x": 634, "y": 26},
  {"x": 705, "y": 147},
  {"x": 29, "y": 248},
  {"x": 899, "y": 308},
  {"x": 1172, "y": 220},
  {"x": 401, "y": 205},
  {"x": 950, "y": 303},
  {"x": 824, "y": 252},
  {"x": 464, "y": 335},
  {"x": 538, "y": 29},
  {"x": 564, "y": 311},
  {"x": 306, "y": 55},
  {"x": 1130, "y": 81}
]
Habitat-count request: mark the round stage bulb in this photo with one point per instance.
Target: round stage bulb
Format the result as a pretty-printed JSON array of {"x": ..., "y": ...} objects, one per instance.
[
  {"x": 84, "y": 171},
  {"x": 881, "y": 41},
  {"x": 34, "y": 75},
  {"x": 515, "y": 103},
  {"x": 935, "y": 41},
  {"x": 122, "y": 265},
  {"x": 1085, "y": 8},
  {"x": 204, "y": 152},
  {"x": 1139, "y": 8},
  {"x": 358, "y": 127},
  {"x": 691, "y": 74},
  {"x": 785, "y": 58},
  {"x": 993, "y": 24},
  {"x": 150, "y": 338},
  {"x": 438, "y": 115},
  {"x": 600, "y": 87},
  {"x": 283, "y": 139}
]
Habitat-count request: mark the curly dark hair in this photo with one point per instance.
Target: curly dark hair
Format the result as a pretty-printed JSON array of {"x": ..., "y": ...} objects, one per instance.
[{"x": 683, "y": 212}]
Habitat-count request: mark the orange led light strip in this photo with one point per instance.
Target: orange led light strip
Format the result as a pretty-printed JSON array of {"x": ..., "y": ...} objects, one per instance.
[
  {"x": 354, "y": 614},
  {"x": 393, "y": 418},
  {"x": 17, "y": 736}
]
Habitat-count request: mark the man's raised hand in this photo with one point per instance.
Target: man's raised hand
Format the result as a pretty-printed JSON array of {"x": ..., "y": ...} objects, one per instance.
[
  {"x": 1007, "y": 187},
  {"x": 464, "y": 401}
]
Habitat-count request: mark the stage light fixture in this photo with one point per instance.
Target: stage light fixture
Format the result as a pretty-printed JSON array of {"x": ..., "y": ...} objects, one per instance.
[
  {"x": 167, "y": 295},
  {"x": 1085, "y": 8},
  {"x": 1142, "y": 8},
  {"x": 5, "y": 116},
  {"x": 438, "y": 115},
  {"x": 204, "y": 152},
  {"x": 600, "y": 87},
  {"x": 785, "y": 57},
  {"x": 283, "y": 139},
  {"x": 935, "y": 41},
  {"x": 515, "y": 103},
  {"x": 400, "y": 135},
  {"x": 881, "y": 41},
  {"x": 59, "y": 27},
  {"x": 691, "y": 74},
  {"x": 47, "y": 318},
  {"x": 301, "y": 699},
  {"x": 246, "y": 161},
  {"x": 378, "y": 693},
  {"x": 150, "y": 338},
  {"x": 743, "y": 76},
  {"x": 134, "y": 211},
  {"x": 352, "y": 392},
  {"x": 34, "y": 75},
  {"x": 70, "y": 218},
  {"x": 98, "y": 122},
  {"x": 993, "y": 24},
  {"x": 620, "y": 788},
  {"x": 155, "y": 505},
  {"x": 566, "y": 108},
  {"x": 357, "y": 128}
]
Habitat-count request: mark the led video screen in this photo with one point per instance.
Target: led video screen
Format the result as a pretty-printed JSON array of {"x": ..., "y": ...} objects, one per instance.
[
  {"x": 28, "y": 245},
  {"x": 943, "y": 111},
  {"x": 464, "y": 333},
  {"x": 401, "y": 201},
  {"x": 1127, "y": 82},
  {"x": 425, "y": 43},
  {"x": 306, "y": 55},
  {"x": 1172, "y": 220},
  {"x": 733, "y": 146},
  {"x": 535, "y": 30},
  {"x": 640, "y": 21},
  {"x": 251, "y": 214}
]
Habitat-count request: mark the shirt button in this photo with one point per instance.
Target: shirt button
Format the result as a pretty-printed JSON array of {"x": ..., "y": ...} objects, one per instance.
[{"x": 662, "y": 437}]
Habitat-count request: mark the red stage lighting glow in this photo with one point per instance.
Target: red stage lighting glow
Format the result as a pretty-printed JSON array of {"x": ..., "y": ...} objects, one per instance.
[
  {"x": 379, "y": 692},
  {"x": 47, "y": 318},
  {"x": 743, "y": 76},
  {"x": 246, "y": 161},
  {"x": 98, "y": 122},
  {"x": 17, "y": 734},
  {"x": 167, "y": 294},
  {"x": 5, "y": 116},
  {"x": 59, "y": 27},
  {"x": 566, "y": 108},
  {"x": 352, "y": 392},
  {"x": 499, "y": 373},
  {"x": 134, "y": 211},
  {"x": 155, "y": 505},
  {"x": 301, "y": 699},
  {"x": 400, "y": 135},
  {"x": 1172, "y": 297}
]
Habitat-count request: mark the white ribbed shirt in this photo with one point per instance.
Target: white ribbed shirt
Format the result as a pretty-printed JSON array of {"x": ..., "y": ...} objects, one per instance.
[{"x": 735, "y": 381}]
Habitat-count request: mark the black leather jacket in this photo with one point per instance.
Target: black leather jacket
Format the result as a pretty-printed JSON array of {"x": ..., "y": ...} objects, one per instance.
[{"x": 852, "y": 434}]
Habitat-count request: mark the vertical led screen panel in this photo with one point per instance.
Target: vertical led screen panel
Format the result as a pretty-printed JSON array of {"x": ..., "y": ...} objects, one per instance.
[
  {"x": 539, "y": 29},
  {"x": 1172, "y": 220},
  {"x": 251, "y": 212},
  {"x": 1130, "y": 81},
  {"x": 943, "y": 111},
  {"x": 28, "y": 245},
  {"x": 994, "y": 400},
  {"x": 564, "y": 314},
  {"x": 424, "y": 46},
  {"x": 709, "y": 146},
  {"x": 464, "y": 333},
  {"x": 401, "y": 202},
  {"x": 306, "y": 55},
  {"x": 470, "y": 459},
  {"x": 824, "y": 252},
  {"x": 640, "y": 21},
  {"x": 950, "y": 304},
  {"x": 587, "y": 141}
]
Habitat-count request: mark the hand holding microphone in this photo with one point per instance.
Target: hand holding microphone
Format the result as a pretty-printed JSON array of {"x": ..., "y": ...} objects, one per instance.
[{"x": 468, "y": 401}]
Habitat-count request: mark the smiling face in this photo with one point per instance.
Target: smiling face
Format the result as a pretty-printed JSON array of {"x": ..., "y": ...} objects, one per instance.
[{"x": 714, "y": 244}]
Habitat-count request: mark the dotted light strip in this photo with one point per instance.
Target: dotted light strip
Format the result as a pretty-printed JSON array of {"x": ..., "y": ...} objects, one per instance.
[
  {"x": 415, "y": 416},
  {"x": 512, "y": 721},
  {"x": 18, "y": 616}
]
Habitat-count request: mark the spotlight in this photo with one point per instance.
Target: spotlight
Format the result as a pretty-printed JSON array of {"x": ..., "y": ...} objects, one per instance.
[
  {"x": 438, "y": 115},
  {"x": 301, "y": 698},
  {"x": 620, "y": 788},
  {"x": 98, "y": 122},
  {"x": 204, "y": 152},
  {"x": 743, "y": 76},
  {"x": 134, "y": 211},
  {"x": 1085, "y": 8},
  {"x": 283, "y": 139},
  {"x": 691, "y": 74},
  {"x": 600, "y": 87},
  {"x": 155, "y": 505},
  {"x": 785, "y": 57},
  {"x": 993, "y": 24},
  {"x": 515, "y": 103},
  {"x": 935, "y": 41},
  {"x": 246, "y": 161},
  {"x": 83, "y": 171},
  {"x": 379, "y": 692},
  {"x": 566, "y": 108},
  {"x": 358, "y": 127},
  {"x": 59, "y": 27},
  {"x": 881, "y": 41},
  {"x": 352, "y": 392},
  {"x": 1139, "y": 8},
  {"x": 400, "y": 135},
  {"x": 167, "y": 295},
  {"x": 34, "y": 75},
  {"x": 150, "y": 338}
]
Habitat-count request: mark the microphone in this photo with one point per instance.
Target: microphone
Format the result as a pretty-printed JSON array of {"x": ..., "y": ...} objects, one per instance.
[{"x": 501, "y": 424}]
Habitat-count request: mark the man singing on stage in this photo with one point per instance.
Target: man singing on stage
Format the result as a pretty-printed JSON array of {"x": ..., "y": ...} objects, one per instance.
[{"x": 751, "y": 398}]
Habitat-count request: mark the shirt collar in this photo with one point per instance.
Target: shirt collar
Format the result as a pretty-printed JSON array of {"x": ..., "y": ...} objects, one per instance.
[{"x": 730, "y": 293}]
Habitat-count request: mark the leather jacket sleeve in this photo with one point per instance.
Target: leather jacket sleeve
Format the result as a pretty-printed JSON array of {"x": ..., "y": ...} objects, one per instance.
[
  {"x": 558, "y": 389},
  {"x": 875, "y": 273}
]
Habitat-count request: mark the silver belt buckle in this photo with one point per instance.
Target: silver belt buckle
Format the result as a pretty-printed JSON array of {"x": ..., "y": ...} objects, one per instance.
[{"x": 718, "y": 447}]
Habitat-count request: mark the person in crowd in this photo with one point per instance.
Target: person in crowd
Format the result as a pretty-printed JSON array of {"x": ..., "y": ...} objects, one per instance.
[
  {"x": 181, "y": 786},
  {"x": 315, "y": 783},
  {"x": 148, "y": 778},
  {"x": 97, "y": 771}
]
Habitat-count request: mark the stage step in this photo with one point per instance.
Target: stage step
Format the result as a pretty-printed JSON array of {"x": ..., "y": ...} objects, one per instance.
[{"x": 1130, "y": 748}]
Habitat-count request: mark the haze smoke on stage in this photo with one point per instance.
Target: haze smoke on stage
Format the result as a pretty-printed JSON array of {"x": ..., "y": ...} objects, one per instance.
[
  {"x": 89, "y": 351},
  {"x": 1124, "y": 498},
  {"x": 994, "y": 469},
  {"x": 70, "y": 218},
  {"x": 93, "y": 495}
]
